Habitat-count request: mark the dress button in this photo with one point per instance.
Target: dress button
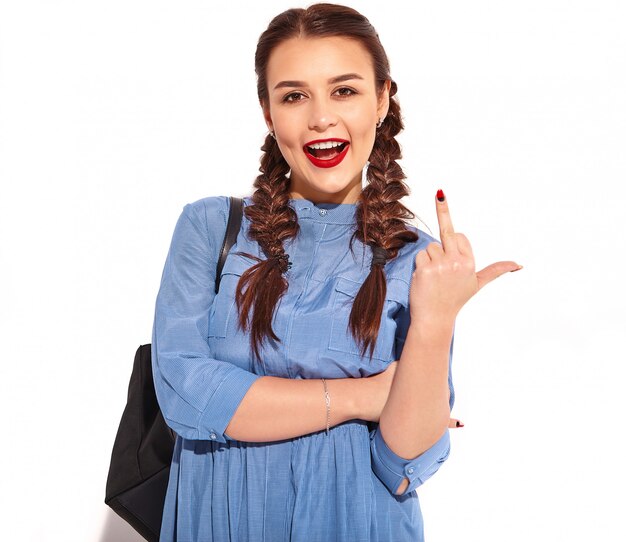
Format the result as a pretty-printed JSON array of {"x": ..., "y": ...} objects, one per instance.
[
  {"x": 410, "y": 470},
  {"x": 213, "y": 436},
  {"x": 323, "y": 212}
]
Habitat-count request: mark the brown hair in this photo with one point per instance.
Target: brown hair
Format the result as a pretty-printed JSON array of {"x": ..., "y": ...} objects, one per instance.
[{"x": 380, "y": 217}]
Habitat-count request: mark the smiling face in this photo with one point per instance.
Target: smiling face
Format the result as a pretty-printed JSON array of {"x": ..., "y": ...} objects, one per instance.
[{"x": 322, "y": 93}]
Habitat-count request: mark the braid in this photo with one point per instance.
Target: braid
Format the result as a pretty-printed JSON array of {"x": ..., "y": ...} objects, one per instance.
[
  {"x": 272, "y": 222},
  {"x": 381, "y": 224}
]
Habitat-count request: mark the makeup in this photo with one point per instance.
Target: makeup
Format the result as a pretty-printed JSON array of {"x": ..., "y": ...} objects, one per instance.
[{"x": 327, "y": 162}]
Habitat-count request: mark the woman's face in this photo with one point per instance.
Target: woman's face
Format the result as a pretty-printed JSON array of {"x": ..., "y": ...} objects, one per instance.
[{"x": 323, "y": 90}]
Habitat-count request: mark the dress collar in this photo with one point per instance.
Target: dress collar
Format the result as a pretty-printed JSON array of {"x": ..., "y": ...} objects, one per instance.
[{"x": 328, "y": 213}]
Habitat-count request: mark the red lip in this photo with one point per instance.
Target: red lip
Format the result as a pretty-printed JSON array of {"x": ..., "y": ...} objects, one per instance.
[{"x": 326, "y": 163}]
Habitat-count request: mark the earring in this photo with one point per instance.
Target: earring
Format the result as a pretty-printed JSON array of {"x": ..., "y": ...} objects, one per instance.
[
  {"x": 380, "y": 123},
  {"x": 272, "y": 134}
]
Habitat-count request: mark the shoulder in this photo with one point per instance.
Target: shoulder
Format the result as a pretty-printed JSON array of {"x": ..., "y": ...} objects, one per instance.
[
  {"x": 406, "y": 255},
  {"x": 423, "y": 239},
  {"x": 209, "y": 210},
  {"x": 208, "y": 216},
  {"x": 399, "y": 271}
]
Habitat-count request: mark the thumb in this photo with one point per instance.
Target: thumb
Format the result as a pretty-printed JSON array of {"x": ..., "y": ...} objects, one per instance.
[{"x": 494, "y": 270}]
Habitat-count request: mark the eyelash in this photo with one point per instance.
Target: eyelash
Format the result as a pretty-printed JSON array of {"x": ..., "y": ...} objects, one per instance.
[{"x": 287, "y": 100}]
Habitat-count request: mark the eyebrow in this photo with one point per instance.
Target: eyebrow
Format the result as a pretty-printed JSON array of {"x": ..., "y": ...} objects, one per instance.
[{"x": 338, "y": 79}]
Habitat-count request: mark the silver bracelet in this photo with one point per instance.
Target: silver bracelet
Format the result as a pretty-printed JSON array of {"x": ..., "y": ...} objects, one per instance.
[{"x": 327, "y": 398}]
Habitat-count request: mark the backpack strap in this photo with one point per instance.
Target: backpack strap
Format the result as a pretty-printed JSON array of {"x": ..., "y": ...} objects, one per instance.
[{"x": 232, "y": 229}]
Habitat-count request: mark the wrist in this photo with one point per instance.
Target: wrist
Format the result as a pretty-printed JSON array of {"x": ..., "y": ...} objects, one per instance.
[
  {"x": 430, "y": 335},
  {"x": 432, "y": 325},
  {"x": 344, "y": 399}
]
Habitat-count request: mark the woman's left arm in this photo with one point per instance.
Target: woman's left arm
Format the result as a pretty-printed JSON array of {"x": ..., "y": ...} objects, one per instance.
[
  {"x": 414, "y": 422},
  {"x": 413, "y": 427}
]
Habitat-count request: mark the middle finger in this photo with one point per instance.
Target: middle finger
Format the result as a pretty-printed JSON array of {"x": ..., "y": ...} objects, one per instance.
[{"x": 446, "y": 229}]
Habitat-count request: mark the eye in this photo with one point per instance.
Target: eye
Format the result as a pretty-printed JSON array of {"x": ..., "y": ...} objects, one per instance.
[
  {"x": 344, "y": 94},
  {"x": 288, "y": 99}
]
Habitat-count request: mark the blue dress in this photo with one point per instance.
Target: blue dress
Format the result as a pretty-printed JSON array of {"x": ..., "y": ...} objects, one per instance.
[{"x": 316, "y": 487}]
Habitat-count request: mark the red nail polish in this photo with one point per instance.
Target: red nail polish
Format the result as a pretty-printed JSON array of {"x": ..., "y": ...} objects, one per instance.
[{"x": 440, "y": 195}]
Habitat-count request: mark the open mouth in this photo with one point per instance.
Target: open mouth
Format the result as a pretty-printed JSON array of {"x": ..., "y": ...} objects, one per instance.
[{"x": 327, "y": 151}]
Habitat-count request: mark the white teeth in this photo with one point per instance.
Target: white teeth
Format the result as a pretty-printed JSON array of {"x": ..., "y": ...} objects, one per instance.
[{"x": 325, "y": 145}]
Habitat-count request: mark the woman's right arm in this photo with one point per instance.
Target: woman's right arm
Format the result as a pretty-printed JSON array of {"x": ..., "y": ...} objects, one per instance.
[
  {"x": 203, "y": 398},
  {"x": 280, "y": 408}
]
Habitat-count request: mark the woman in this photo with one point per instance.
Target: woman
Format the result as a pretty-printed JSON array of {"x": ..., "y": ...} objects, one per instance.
[{"x": 311, "y": 396}]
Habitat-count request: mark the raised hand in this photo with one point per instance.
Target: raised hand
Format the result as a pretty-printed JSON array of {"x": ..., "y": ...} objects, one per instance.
[{"x": 445, "y": 278}]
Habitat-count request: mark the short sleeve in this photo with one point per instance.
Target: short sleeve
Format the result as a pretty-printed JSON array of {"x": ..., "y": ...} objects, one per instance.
[{"x": 198, "y": 394}]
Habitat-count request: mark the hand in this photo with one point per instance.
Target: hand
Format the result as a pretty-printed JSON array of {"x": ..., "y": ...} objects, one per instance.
[{"x": 444, "y": 278}]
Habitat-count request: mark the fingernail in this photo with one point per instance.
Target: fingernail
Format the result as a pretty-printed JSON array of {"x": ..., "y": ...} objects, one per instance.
[
  {"x": 459, "y": 424},
  {"x": 440, "y": 195},
  {"x": 520, "y": 267}
]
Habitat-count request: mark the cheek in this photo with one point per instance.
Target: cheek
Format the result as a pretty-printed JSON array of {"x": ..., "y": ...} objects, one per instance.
[
  {"x": 287, "y": 142},
  {"x": 288, "y": 152},
  {"x": 289, "y": 134},
  {"x": 363, "y": 127},
  {"x": 365, "y": 139}
]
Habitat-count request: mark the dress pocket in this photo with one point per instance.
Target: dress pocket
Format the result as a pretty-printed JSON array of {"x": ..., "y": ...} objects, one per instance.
[
  {"x": 341, "y": 339},
  {"x": 223, "y": 313}
]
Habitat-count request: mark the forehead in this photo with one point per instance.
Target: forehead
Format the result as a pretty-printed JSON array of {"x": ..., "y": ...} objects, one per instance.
[{"x": 315, "y": 59}]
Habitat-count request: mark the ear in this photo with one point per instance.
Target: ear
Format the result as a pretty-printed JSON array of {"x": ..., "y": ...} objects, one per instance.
[
  {"x": 267, "y": 116},
  {"x": 383, "y": 100}
]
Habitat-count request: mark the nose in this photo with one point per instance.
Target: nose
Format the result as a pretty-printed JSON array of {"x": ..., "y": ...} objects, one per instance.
[{"x": 322, "y": 115}]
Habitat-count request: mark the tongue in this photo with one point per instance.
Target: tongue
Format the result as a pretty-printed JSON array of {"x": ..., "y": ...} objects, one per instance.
[{"x": 326, "y": 154}]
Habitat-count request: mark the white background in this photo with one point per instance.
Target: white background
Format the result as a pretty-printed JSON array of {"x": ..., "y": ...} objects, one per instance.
[{"x": 115, "y": 114}]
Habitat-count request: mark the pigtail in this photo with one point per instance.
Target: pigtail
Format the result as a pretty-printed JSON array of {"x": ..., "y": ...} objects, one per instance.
[
  {"x": 380, "y": 224},
  {"x": 272, "y": 221}
]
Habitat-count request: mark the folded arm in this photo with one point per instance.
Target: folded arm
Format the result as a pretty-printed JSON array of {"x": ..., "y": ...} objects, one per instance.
[
  {"x": 204, "y": 398},
  {"x": 412, "y": 440}
]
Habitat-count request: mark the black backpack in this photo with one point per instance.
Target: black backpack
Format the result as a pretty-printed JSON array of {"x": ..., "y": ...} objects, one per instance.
[{"x": 142, "y": 452}]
